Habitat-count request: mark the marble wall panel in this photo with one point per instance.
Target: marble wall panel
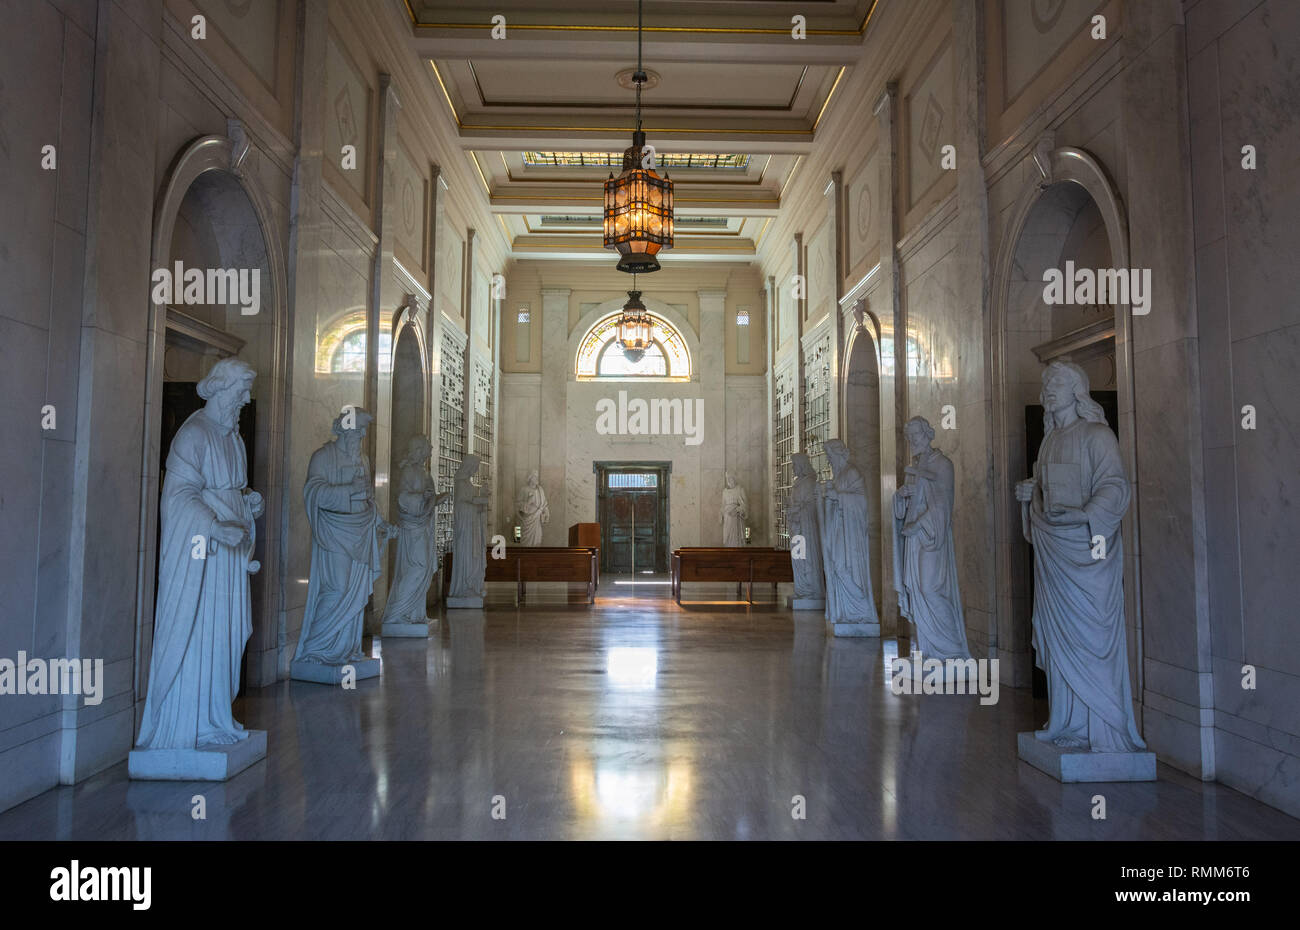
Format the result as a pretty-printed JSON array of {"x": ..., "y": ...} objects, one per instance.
[
  {"x": 1268, "y": 495},
  {"x": 1259, "y": 105}
]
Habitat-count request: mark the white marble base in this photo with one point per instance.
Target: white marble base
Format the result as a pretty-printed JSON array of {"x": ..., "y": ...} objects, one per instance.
[
  {"x": 1084, "y": 765},
  {"x": 211, "y": 763},
  {"x": 472, "y": 603},
  {"x": 301, "y": 670},
  {"x": 806, "y": 603},
  {"x": 408, "y": 630},
  {"x": 852, "y": 629}
]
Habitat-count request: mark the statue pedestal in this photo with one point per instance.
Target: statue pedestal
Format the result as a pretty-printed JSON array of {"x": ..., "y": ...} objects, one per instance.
[
  {"x": 1076, "y": 765},
  {"x": 409, "y": 630},
  {"x": 302, "y": 670},
  {"x": 470, "y": 603},
  {"x": 852, "y": 629},
  {"x": 211, "y": 763},
  {"x": 806, "y": 603}
]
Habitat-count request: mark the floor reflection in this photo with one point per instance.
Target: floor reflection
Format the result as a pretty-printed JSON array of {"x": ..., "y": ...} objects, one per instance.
[{"x": 637, "y": 719}]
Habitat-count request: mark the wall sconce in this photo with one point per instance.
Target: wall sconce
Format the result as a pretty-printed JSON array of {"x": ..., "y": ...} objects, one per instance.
[
  {"x": 519, "y": 533},
  {"x": 746, "y": 536}
]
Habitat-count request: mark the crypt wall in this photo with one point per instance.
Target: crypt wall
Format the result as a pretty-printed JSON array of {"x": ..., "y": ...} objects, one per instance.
[
  {"x": 917, "y": 247},
  {"x": 122, "y": 92}
]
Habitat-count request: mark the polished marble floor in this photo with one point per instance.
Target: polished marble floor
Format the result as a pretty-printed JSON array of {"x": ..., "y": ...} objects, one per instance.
[{"x": 637, "y": 718}]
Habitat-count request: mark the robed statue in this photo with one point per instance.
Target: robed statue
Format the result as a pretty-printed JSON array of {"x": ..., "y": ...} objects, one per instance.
[
  {"x": 469, "y": 534},
  {"x": 346, "y": 536},
  {"x": 1070, "y": 512},
  {"x": 845, "y": 550},
  {"x": 533, "y": 512},
  {"x": 802, "y": 520},
  {"x": 925, "y": 558},
  {"x": 203, "y": 613},
  {"x": 417, "y": 503},
  {"x": 735, "y": 511}
]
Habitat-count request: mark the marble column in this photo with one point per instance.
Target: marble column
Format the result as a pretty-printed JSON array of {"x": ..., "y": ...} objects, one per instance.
[
  {"x": 555, "y": 383},
  {"x": 892, "y": 416},
  {"x": 385, "y": 297},
  {"x": 712, "y": 369},
  {"x": 971, "y": 452}
]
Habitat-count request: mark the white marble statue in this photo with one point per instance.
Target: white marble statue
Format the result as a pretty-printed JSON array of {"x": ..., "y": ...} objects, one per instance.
[
  {"x": 735, "y": 511},
  {"x": 203, "y": 615},
  {"x": 925, "y": 559},
  {"x": 1071, "y": 506},
  {"x": 845, "y": 550},
  {"x": 417, "y": 503},
  {"x": 802, "y": 520},
  {"x": 469, "y": 538},
  {"x": 346, "y": 534},
  {"x": 533, "y": 512}
]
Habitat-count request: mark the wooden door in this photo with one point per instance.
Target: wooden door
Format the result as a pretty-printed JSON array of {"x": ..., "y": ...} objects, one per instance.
[{"x": 633, "y": 521}]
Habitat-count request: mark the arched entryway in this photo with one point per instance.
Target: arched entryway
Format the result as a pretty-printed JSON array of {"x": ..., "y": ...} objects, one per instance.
[
  {"x": 1068, "y": 212},
  {"x": 860, "y": 391},
  {"x": 212, "y": 215}
]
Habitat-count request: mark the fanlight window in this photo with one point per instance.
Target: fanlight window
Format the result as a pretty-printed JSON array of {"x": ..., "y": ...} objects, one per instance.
[{"x": 600, "y": 356}]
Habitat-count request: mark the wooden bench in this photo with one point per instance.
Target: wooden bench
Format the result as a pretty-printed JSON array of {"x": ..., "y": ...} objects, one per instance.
[
  {"x": 743, "y": 565},
  {"x": 523, "y": 564}
]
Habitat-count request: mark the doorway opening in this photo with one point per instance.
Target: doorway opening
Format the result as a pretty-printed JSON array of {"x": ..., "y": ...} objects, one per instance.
[
  {"x": 632, "y": 508},
  {"x": 861, "y": 432},
  {"x": 1071, "y": 215}
]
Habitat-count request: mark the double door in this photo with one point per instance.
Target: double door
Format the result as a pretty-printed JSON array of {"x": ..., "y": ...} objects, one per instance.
[{"x": 633, "y": 505}]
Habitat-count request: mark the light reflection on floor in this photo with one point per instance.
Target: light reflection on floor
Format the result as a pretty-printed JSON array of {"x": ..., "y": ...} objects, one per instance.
[{"x": 637, "y": 718}]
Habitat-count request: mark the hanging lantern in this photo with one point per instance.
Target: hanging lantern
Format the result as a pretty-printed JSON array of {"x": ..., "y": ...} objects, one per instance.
[
  {"x": 638, "y": 212},
  {"x": 634, "y": 328},
  {"x": 638, "y": 203}
]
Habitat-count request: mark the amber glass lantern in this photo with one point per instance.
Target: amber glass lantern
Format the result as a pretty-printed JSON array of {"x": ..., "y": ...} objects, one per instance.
[
  {"x": 638, "y": 203},
  {"x": 638, "y": 212},
  {"x": 634, "y": 328}
]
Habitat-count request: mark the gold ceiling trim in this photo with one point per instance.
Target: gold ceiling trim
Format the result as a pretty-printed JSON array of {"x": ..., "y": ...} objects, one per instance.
[
  {"x": 597, "y": 221},
  {"x": 827, "y": 101},
  {"x": 598, "y": 245},
  {"x": 438, "y": 75},
  {"x": 787, "y": 107},
  {"x": 647, "y": 129},
  {"x": 487, "y": 188},
  {"x": 601, "y": 200},
  {"x": 704, "y": 30}
]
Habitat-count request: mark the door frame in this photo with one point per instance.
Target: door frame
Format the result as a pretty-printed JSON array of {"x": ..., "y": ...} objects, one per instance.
[{"x": 665, "y": 469}]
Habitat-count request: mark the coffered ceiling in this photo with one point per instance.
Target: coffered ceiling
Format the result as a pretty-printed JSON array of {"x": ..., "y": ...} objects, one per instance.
[{"x": 727, "y": 77}]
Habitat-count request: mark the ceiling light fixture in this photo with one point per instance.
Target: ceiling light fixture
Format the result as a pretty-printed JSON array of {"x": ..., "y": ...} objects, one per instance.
[
  {"x": 634, "y": 327},
  {"x": 638, "y": 203}
]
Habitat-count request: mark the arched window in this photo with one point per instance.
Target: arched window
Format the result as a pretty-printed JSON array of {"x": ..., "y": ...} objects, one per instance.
[
  {"x": 599, "y": 354},
  {"x": 341, "y": 346}
]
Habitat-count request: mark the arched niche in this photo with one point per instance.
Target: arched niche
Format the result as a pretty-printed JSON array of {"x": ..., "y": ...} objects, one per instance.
[
  {"x": 860, "y": 429},
  {"x": 410, "y": 372},
  {"x": 1068, "y": 210},
  {"x": 212, "y": 214}
]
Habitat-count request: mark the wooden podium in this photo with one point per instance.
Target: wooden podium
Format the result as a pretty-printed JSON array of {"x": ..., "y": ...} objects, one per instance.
[{"x": 584, "y": 535}]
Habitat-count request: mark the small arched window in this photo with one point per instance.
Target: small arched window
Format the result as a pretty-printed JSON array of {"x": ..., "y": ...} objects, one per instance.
[{"x": 600, "y": 356}]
